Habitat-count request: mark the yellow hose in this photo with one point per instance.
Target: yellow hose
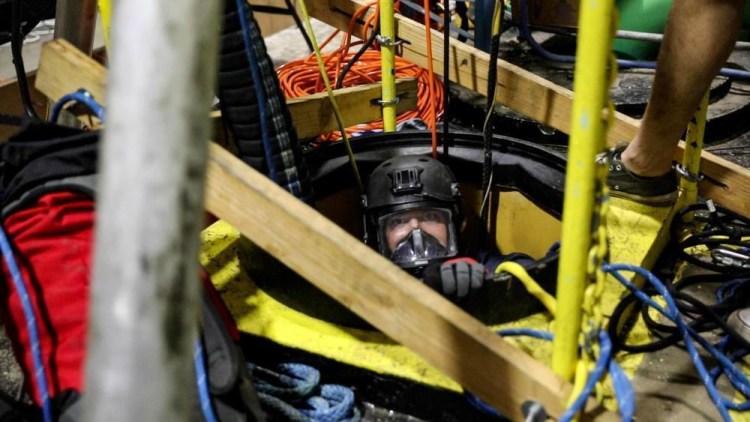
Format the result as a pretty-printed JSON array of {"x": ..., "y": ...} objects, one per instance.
[{"x": 515, "y": 269}]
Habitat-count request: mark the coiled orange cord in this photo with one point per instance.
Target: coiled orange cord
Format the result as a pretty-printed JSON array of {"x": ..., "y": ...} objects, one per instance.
[{"x": 302, "y": 77}]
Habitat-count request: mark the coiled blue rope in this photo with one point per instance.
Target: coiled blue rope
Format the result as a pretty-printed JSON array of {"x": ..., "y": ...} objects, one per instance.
[
  {"x": 736, "y": 377},
  {"x": 31, "y": 325},
  {"x": 202, "y": 382},
  {"x": 81, "y": 96},
  {"x": 293, "y": 391},
  {"x": 622, "y": 385}
]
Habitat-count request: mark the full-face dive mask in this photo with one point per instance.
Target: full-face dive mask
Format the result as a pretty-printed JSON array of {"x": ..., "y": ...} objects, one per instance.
[{"x": 413, "y": 208}]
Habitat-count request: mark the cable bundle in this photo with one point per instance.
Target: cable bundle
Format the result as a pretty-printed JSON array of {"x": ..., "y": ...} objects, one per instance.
[{"x": 302, "y": 77}]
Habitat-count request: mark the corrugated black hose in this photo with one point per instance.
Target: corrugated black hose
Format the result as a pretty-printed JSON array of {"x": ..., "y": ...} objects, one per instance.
[{"x": 239, "y": 98}]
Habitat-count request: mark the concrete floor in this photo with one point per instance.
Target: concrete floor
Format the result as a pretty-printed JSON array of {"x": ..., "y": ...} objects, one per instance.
[{"x": 667, "y": 387}]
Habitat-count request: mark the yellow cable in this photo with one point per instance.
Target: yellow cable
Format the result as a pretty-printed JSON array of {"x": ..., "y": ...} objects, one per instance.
[
  {"x": 515, "y": 269},
  {"x": 331, "y": 97}
]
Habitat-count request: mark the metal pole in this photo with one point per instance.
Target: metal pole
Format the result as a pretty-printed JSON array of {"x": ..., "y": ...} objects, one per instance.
[
  {"x": 387, "y": 64},
  {"x": 75, "y": 21},
  {"x": 590, "y": 85},
  {"x": 144, "y": 308}
]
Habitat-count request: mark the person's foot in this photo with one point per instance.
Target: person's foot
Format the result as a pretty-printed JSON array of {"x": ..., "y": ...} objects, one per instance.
[{"x": 654, "y": 191}]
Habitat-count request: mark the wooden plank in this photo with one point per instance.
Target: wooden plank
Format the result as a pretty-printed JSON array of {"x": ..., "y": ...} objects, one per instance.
[
  {"x": 535, "y": 96},
  {"x": 379, "y": 291},
  {"x": 64, "y": 69},
  {"x": 313, "y": 114}
]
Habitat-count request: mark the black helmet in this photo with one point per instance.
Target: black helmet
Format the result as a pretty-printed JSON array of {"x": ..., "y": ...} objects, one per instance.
[{"x": 421, "y": 190}]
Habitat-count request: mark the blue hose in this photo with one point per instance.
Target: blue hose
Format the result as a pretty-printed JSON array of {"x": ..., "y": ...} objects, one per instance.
[
  {"x": 622, "y": 385},
  {"x": 736, "y": 377},
  {"x": 81, "y": 96},
  {"x": 202, "y": 382},
  {"x": 31, "y": 325}
]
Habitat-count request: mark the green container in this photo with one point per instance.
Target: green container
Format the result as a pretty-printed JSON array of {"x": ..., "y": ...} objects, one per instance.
[{"x": 650, "y": 16}]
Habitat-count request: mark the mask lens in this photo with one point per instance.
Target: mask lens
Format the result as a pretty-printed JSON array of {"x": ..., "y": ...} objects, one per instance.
[{"x": 415, "y": 235}]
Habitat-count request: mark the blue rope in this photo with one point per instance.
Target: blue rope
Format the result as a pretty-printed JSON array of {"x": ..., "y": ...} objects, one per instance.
[
  {"x": 622, "y": 385},
  {"x": 81, "y": 96},
  {"x": 243, "y": 12},
  {"x": 736, "y": 377},
  {"x": 31, "y": 325},
  {"x": 202, "y": 382},
  {"x": 294, "y": 392}
]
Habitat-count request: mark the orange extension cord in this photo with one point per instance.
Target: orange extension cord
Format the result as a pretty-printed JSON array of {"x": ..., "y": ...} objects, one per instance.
[{"x": 302, "y": 77}]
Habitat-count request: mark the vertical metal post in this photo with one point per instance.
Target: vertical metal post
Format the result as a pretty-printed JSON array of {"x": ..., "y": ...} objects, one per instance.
[
  {"x": 75, "y": 21},
  {"x": 587, "y": 136},
  {"x": 144, "y": 308},
  {"x": 691, "y": 159},
  {"x": 388, "y": 64}
]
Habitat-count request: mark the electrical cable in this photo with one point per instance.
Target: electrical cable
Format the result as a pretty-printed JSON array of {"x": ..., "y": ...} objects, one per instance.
[
  {"x": 301, "y": 77},
  {"x": 487, "y": 129},
  {"x": 31, "y": 325},
  {"x": 16, "y": 50},
  {"x": 355, "y": 58}
]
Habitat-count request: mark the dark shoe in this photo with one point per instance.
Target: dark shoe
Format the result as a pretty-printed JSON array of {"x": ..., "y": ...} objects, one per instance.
[{"x": 653, "y": 191}]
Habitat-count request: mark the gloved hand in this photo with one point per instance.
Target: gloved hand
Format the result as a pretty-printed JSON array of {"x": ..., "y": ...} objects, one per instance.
[{"x": 456, "y": 278}]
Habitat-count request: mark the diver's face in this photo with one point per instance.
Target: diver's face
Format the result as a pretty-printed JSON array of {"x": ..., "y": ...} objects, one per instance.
[{"x": 432, "y": 221}]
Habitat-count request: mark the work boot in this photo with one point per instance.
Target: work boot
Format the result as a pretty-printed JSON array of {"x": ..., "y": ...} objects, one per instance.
[{"x": 654, "y": 191}]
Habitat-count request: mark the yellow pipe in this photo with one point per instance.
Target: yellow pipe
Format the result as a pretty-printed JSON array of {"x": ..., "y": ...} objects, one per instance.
[
  {"x": 388, "y": 64},
  {"x": 691, "y": 159},
  {"x": 531, "y": 285},
  {"x": 586, "y": 140},
  {"x": 105, "y": 10}
]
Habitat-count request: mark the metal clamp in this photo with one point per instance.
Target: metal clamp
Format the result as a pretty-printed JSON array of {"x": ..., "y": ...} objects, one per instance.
[
  {"x": 686, "y": 174},
  {"x": 387, "y": 41},
  {"x": 382, "y": 102}
]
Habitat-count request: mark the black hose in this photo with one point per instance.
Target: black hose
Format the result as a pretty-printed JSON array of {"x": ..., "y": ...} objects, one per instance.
[
  {"x": 356, "y": 56},
  {"x": 446, "y": 75},
  {"x": 487, "y": 130},
  {"x": 16, "y": 50},
  {"x": 238, "y": 97}
]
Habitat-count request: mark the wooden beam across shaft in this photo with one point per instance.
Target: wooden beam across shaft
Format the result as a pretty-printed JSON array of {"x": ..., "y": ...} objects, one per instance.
[
  {"x": 63, "y": 69},
  {"x": 379, "y": 291},
  {"x": 535, "y": 96},
  {"x": 313, "y": 114}
]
